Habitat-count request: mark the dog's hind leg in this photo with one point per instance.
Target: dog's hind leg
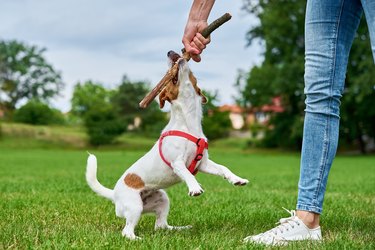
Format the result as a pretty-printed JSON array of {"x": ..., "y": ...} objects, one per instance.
[
  {"x": 158, "y": 202},
  {"x": 129, "y": 205}
]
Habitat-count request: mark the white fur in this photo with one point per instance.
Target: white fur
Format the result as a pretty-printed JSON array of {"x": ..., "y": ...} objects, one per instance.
[{"x": 130, "y": 203}]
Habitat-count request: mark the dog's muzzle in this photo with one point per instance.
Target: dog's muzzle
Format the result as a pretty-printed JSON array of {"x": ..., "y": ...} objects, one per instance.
[
  {"x": 173, "y": 56},
  {"x": 176, "y": 58}
]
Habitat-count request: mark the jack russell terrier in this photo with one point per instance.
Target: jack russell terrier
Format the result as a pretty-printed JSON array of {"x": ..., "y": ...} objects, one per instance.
[{"x": 178, "y": 155}]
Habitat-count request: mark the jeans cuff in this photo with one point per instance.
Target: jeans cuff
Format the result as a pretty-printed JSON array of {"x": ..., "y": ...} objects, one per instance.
[{"x": 309, "y": 208}]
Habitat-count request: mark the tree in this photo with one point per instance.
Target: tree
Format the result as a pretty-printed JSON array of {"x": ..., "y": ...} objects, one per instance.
[
  {"x": 92, "y": 102},
  {"x": 103, "y": 125},
  {"x": 281, "y": 30},
  {"x": 89, "y": 96},
  {"x": 216, "y": 124},
  {"x": 126, "y": 100},
  {"x": 25, "y": 74},
  {"x": 37, "y": 113}
]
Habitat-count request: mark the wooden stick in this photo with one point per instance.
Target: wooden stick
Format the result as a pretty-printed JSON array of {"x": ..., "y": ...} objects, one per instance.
[
  {"x": 171, "y": 73},
  {"x": 155, "y": 91}
]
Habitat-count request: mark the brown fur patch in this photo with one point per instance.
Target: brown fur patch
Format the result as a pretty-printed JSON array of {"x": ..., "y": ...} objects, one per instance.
[
  {"x": 134, "y": 181},
  {"x": 169, "y": 93},
  {"x": 194, "y": 82}
]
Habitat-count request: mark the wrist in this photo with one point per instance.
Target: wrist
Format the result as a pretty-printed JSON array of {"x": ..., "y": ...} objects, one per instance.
[{"x": 197, "y": 25}]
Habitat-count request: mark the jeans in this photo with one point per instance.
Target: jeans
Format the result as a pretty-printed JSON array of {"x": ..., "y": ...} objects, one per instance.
[{"x": 330, "y": 27}]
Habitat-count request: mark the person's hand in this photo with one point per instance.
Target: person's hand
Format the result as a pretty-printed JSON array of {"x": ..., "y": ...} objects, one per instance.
[{"x": 193, "y": 40}]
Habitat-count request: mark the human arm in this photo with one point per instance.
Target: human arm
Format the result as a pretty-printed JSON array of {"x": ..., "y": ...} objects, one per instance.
[{"x": 193, "y": 41}]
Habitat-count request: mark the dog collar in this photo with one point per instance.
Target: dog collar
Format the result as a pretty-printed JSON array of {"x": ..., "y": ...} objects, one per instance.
[{"x": 201, "y": 143}]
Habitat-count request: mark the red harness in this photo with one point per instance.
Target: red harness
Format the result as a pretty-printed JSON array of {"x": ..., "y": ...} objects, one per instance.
[{"x": 200, "y": 142}]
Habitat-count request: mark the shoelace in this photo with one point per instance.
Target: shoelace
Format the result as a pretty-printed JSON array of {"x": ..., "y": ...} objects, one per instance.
[{"x": 285, "y": 223}]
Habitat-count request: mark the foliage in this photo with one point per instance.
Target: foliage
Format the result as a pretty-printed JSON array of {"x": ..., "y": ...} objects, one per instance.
[
  {"x": 37, "y": 113},
  {"x": 92, "y": 102},
  {"x": 108, "y": 113},
  {"x": 88, "y": 96},
  {"x": 103, "y": 125},
  {"x": 126, "y": 101},
  {"x": 25, "y": 74},
  {"x": 215, "y": 124},
  {"x": 281, "y": 30}
]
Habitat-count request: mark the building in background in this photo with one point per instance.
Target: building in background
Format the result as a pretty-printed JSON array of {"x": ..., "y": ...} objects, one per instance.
[{"x": 242, "y": 119}]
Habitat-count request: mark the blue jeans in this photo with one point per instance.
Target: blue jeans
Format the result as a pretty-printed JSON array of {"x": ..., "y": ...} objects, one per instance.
[{"x": 330, "y": 27}]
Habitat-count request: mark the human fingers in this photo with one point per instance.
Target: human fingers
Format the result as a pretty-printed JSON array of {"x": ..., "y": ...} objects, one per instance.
[
  {"x": 189, "y": 46},
  {"x": 198, "y": 43},
  {"x": 202, "y": 39}
]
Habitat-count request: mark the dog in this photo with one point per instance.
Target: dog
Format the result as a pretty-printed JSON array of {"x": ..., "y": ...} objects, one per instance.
[{"x": 178, "y": 155}]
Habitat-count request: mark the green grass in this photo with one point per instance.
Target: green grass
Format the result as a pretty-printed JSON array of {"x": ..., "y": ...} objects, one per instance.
[{"x": 46, "y": 203}]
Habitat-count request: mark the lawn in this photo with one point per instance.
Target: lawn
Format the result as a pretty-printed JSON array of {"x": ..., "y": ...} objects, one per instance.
[{"x": 46, "y": 203}]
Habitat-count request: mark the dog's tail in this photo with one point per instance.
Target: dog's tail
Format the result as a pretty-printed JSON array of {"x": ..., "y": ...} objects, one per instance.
[{"x": 93, "y": 181}]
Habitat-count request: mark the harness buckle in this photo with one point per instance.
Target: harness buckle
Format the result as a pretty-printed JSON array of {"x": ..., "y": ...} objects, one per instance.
[
  {"x": 198, "y": 141},
  {"x": 198, "y": 157}
]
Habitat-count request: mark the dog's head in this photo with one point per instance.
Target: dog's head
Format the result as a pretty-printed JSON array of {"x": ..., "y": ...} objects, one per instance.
[{"x": 181, "y": 83}]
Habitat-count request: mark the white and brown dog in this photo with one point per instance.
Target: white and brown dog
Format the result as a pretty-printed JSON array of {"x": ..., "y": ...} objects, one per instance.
[{"x": 177, "y": 156}]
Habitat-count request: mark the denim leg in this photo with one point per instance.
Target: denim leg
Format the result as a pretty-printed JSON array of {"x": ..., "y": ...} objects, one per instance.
[{"x": 330, "y": 26}]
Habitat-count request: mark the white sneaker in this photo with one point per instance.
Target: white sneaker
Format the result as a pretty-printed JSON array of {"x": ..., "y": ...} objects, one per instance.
[{"x": 289, "y": 229}]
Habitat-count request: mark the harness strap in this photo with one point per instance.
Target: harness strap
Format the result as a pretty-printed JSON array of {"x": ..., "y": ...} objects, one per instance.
[{"x": 200, "y": 142}]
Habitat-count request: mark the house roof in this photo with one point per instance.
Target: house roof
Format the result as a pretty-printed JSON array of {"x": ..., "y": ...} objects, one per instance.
[
  {"x": 231, "y": 108},
  {"x": 275, "y": 106}
]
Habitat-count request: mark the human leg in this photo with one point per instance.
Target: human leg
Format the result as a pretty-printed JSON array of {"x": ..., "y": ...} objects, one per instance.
[
  {"x": 329, "y": 32},
  {"x": 330, "y": 27}
]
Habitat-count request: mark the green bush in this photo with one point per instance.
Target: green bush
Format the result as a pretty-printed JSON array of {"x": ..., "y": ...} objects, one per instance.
[
  {"x": 216, "y": 125},
  {"x": 287, "y": 133},
  {"x": 37, "y": 113},
  {"x": 103, "y": 125}
]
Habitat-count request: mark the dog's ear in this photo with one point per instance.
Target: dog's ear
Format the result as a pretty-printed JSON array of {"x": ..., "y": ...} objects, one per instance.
[
  {"x": 169, "y": 93},
  {"x": 194, "y": 82},
  {"x": 199, "y": 92},
  {"x": 204, "y": 98},
  {"x": 162, "y": 98}
]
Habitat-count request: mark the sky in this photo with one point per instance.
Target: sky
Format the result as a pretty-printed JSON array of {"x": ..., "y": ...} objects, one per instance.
[{"x": 104, "y": 40}]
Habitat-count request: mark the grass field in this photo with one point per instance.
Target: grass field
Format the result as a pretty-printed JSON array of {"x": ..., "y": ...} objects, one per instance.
[{"x": 46, "y": 203}]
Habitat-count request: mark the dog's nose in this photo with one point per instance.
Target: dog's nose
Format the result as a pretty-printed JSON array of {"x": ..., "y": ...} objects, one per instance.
[
  {"x": 170, "y": 53},
  {"x": 173, "y": 56}
]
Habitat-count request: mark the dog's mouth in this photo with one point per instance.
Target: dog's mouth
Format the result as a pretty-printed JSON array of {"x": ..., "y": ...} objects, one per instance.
[{"x": 175, "y": 58}]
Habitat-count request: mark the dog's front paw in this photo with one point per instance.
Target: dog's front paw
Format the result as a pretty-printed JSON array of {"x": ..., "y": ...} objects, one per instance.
[
  {"x": 237, "y": 181},
  {"x": 196, "y": 192}
]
